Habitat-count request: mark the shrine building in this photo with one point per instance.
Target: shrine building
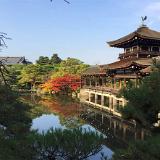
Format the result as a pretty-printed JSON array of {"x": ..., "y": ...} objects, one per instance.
[{"x": 101, "y": 83}]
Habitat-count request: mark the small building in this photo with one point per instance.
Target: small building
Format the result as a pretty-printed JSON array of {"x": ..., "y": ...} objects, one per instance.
[
  {"x": 14, "y": 60},
  {"x": 102, "y": 82}
]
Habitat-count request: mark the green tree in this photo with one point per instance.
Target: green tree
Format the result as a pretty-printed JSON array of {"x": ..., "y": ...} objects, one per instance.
[
  {"x": 75, "y": 144},
  {"x": 70, "y": 62},
  {"x": 43, "y": 60},
  {"x": 15, "y": 123},
  {"x": 140, "y": 150},
  {"x": 143, "y": 102},
  {"x": 29, "y": 75},
  {"x": 70, "y": 66},
  {"x": 34, "y": 75},
  {"x": 55, "y": 59},
  {"x": 14, "y": 75}
]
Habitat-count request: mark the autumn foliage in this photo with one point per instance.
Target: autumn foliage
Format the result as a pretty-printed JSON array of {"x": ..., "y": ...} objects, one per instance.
[{"x": 65, "y": 84}]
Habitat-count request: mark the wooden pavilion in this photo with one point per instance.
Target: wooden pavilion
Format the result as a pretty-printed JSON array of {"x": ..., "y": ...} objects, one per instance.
[
  {"x": 101, "y": 83},
  {"x": 140, "y": 47}
]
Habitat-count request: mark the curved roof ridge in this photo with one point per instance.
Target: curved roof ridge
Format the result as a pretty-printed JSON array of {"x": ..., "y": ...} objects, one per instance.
[{"x": 142, "y": 32}]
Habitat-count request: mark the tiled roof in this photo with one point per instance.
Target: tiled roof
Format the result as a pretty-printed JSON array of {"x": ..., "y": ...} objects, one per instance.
[
  {"x": 125, "y": 63},
  {"x": 13, "y": 60},
  {"x": 126, "y": 76},
  {"x": 120, "y": 64},
  {"x": 97, "y": 69},
  {"x": 128, "y": 62},
  {"x": 144, "y": 61},
  {"x": 142, "y": 32},
  {"x": 146, "y": 70}
]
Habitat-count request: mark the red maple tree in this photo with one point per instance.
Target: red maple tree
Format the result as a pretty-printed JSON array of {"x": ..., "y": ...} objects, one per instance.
[{"x": 65, "y": 84}]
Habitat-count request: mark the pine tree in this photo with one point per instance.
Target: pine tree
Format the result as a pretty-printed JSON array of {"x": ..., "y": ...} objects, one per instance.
[{"x": 55, "y": 59}]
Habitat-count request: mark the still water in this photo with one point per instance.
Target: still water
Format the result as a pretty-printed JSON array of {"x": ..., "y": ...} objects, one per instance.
[{"x": 65, "y": 113}]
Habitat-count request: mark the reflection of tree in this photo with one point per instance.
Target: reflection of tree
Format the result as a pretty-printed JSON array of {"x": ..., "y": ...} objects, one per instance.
[
  {"x": 68, "y": 113},
  {"x": 66, "y": 109},
  {"x": 71, "y": 121},
  {"x": 36, "y": 109}
]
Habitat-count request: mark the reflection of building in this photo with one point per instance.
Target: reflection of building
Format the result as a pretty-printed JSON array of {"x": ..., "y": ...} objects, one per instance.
[
  {"x": 117, "y": 131},
  {"x": 101, "y": 83}
]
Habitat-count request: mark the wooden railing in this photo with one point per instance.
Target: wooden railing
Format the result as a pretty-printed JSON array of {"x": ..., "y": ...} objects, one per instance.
[
  {"x": 123, "y": 55},
  {"x": 102, "y": 88}
]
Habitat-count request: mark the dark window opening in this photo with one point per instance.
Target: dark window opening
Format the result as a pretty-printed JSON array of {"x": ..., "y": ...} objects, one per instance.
[
  {"x": 155, "y": 49},
  {"x": 100, "y": 81},
  {"x": 128, "y": 50},
  {"x": 144, "y": 48},
  {"x": 93, "y": 82},
  {"x": 135, "y": 48},
  {"x": 92, "y": 98},
  {"x": 99, "y": 99},
  {"x": 106, "y": 101},
  {"x": 87, "y": 81}
]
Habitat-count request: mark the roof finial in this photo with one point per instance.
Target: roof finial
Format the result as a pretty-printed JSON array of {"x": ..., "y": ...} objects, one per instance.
[{"x": 143, "y": 20}]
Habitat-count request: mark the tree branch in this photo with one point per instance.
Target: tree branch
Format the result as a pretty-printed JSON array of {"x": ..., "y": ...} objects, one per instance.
[
  {"x": 63, "y": 0},
  {"x": 3, "y": 37}
]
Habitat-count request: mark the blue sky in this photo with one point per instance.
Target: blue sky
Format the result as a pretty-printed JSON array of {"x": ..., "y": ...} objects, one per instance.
[{"x": 80, "y": 30}]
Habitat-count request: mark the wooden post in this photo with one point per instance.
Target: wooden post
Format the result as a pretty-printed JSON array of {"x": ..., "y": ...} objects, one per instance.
[
  {"x": 93, "y": 82},
  {"x": 136, "y": 82},
  {"x": 102, "y": 100},
  {"x": 96, "y": 81},
  {"x": 90, "y": 82},
  {"x": 110, "y": 102},
  {"x": 89, "y": 97},
  {"x": 124, "y": 82},
  {"x": 114, "y": 125},
  {"x": 120, "y": 84},
  {"x": 110, "y": 122},
  {"x": 104, "y": 81},
  {"x": 85, "y": 83},
  {"x": 96, "y": 97},
  {"x": 114, "y": 83},
  {"x": 124, "y": 131},
  {"x": 114, "y": 104},
  {"x": 102, "y": 118}
]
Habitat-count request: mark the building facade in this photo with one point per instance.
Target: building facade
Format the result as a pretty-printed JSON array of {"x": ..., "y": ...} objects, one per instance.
[{"x": 102, "y": 83}]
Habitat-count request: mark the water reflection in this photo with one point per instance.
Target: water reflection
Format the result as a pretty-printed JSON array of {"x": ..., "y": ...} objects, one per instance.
[
  {"x": 104, "y": 150},
  {"x": 72, "y": 114},
  {"x": 112, "y": 126},
  {"x": 45, "y": 122}
]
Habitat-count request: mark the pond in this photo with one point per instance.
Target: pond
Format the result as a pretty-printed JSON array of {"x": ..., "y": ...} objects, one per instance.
[{"x": 65, "y": 113}]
